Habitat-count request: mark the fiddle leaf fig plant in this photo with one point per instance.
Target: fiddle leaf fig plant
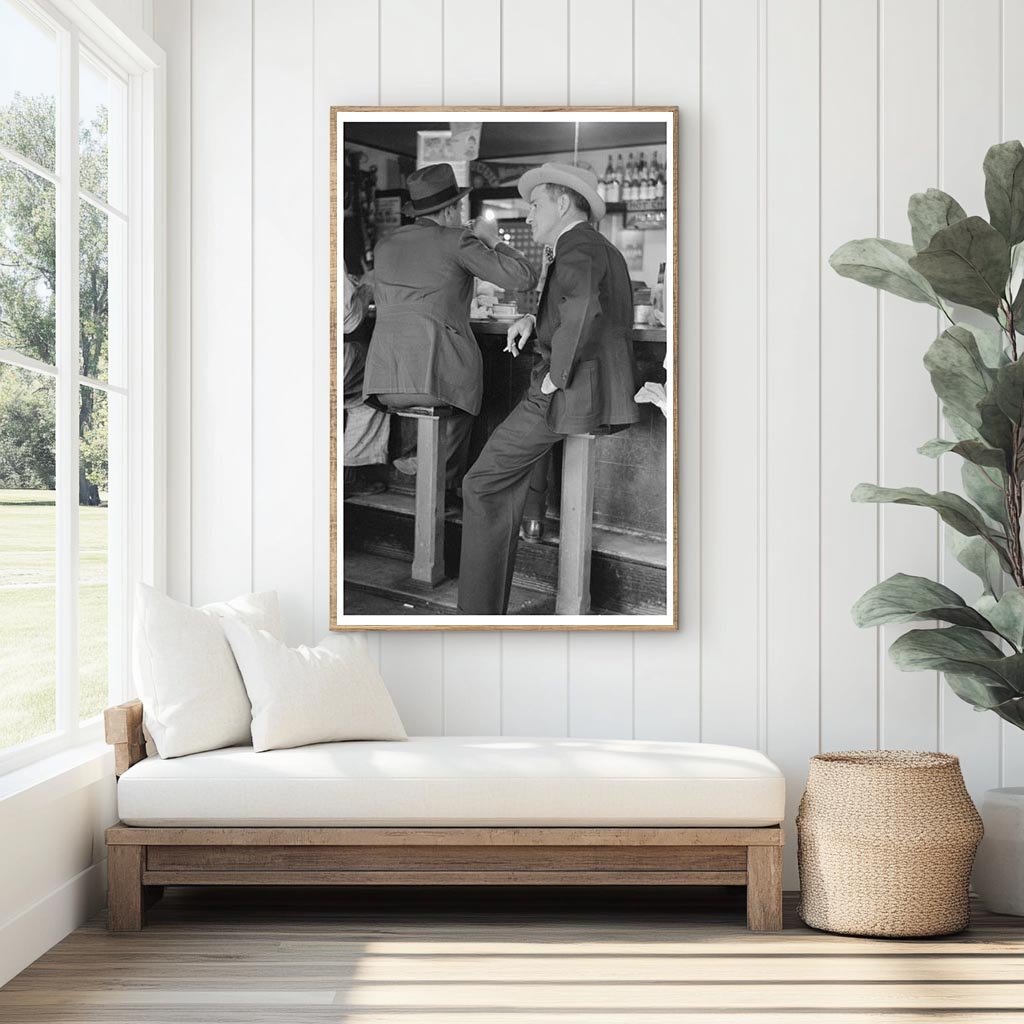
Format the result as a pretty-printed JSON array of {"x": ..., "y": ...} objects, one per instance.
[{"x": 978, "y": 376}]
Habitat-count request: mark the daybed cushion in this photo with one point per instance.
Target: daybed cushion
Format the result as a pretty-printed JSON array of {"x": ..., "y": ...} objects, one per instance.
[
  {"x": 458, "y": 780},
  {"x": 185, "y": 673},
  {"x": 304, "y": 695}
]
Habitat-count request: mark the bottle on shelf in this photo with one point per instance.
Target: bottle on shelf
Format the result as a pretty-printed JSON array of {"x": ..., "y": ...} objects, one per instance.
[
  {"x": 630, "y": 179},
  {"x": 658, "y": 296},
  {"x": 611, "y": 187},
  {"x": 620, "y": 178},
  {"x": 606, "y": 185},
  {"x": 659, "y": 183},
  {"x": 653, "y": 176},
  {"x": 641, "y": 177}
]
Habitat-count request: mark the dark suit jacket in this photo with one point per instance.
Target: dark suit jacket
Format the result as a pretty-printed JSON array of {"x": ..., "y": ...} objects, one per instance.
[
  {"x": 584, "y": 335},
  {"x": 423, "y": 285}
]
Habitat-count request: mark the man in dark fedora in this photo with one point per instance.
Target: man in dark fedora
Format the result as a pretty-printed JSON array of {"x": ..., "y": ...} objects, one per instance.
[
  {"x": 423, "y": 351},
  {"x": 582, "y": 382}
]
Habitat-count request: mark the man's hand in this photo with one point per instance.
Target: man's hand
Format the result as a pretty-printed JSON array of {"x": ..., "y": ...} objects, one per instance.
[
  {"x": 519, "y": 334},
  {"x": 655, "y": 394},
  {"x": 547, "y": 385},
  {"x": 487, "y": 231}
]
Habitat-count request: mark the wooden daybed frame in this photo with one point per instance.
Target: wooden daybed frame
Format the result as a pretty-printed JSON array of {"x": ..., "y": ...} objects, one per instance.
[{"x": 142, "y": 860}]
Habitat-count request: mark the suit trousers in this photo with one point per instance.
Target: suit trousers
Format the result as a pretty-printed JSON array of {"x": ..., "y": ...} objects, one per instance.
[
  {"x": 365, "y": 430},
  {"x": 494, "y": 495},
  {"x": 536, "y": 504}
]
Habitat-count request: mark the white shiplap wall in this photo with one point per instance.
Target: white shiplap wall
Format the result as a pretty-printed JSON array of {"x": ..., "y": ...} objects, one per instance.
[{"x": 803, "y": 123}]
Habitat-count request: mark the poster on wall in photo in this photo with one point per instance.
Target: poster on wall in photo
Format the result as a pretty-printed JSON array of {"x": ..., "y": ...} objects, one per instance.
[
  {"x": 504, "y": 430},
  {"x": 387, "y": 215},
  {"x": 632, "y": 245}
]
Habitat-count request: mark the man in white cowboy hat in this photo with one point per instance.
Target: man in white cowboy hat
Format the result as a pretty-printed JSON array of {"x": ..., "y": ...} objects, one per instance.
[
  {"x": 423, "y": 351},
  {"x": 582, "y": 382}
]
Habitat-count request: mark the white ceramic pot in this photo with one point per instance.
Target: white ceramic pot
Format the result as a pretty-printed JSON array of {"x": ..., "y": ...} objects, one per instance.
[{"x": 999, "y": 866}]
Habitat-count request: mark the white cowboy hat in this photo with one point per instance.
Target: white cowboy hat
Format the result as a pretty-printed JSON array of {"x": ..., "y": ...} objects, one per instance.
[{"x": 579, "y": 179}]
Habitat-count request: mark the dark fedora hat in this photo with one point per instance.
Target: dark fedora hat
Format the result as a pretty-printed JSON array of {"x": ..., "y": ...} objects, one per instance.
[{"x": 431, "y": 188}]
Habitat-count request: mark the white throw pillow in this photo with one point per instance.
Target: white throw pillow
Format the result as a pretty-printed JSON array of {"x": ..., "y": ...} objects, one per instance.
[
  {"x": 192, "y": 693},
  {"x": 309, "y": 694}
]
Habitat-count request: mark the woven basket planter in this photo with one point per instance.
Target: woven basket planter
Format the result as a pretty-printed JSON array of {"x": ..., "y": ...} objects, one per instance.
[{"x": 886, "y": 840}]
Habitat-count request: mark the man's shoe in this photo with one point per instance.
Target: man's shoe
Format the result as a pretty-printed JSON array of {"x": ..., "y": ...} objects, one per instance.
[
  {"x": 364, "y": 488},
  {"x": 452, "y": 501},
  {"x": 406, "y": 465},
  {"x": 532, "y": 530}
]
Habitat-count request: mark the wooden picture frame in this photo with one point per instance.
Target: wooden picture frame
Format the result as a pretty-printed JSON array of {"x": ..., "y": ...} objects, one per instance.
[{"x": 614, "y": 561}]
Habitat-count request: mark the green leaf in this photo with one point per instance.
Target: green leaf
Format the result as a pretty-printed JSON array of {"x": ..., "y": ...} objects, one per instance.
[
  {"x": 1011, "y": 711},
  {"x": 883, "y": 264},
  {"x": 967, "y": 263},
  {"x": 976, "y": 555},
  {"x": 932, "y": 211},
  {"x": 1015, "y": 285},
  {"x": 903, "y": 598},
  {"x": 1009, "y": 390},
  {"x": 1004, "y": 189},
  {"x": 1016, "y": 278},
  {"x": 990, "y": 345},
  {"x": 995, "y": 428},
  {"x": 973, "y": 451},
  {"x": 964, "y": 652},
  {"x": 958, "y": 372},
  {"x": 962, "y": 430},
  {"x": 985, "y": 487},
  {"x": 983, "y": 694},
  {"x": 944, "y": 650},
  {"x": 1006, "y": 614},
  {"x": 954, "y": 510},
  {"x": 1017, "y": 309}
]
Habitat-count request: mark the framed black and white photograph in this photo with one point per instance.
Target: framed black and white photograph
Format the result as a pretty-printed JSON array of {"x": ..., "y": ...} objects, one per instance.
[{"x": 504, "y": 424}]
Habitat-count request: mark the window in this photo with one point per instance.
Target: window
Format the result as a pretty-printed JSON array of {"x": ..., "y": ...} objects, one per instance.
[{"x": 75, "y": 116}]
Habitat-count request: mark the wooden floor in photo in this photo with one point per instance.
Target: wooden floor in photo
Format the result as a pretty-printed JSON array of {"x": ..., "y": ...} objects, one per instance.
[{"x": 489, "y": 957}]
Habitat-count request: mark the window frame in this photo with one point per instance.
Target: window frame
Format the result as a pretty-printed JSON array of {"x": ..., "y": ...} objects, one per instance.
[{"x": 139, "y": 63}]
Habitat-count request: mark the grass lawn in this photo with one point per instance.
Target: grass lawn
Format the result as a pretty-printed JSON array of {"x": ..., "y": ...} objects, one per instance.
[{"x": 28, "y": 613}]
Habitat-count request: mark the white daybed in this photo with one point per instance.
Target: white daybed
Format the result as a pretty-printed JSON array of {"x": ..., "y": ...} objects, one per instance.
[{"x": 445, "y": 811}]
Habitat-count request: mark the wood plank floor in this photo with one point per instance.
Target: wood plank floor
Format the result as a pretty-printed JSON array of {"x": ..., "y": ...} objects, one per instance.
[{"x": 263, "y": 956}]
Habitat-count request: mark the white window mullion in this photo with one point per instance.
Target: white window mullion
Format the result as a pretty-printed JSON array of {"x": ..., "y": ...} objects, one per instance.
[
  {"x": 144, "y": 523},
  {"x": 126, "y": 439},
  {"x": 122, "y": 357},
  {"x": 13, "y": 358},
  {"x": 30, "y": 165},
  {"x": 67, "y": 387},
  {"x": 111, "y": 211}
]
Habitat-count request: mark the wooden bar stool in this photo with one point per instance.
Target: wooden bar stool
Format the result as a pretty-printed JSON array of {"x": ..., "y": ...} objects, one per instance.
[
  {"x": 577, "y": 529},
  {"x": 431, "y": 457}
]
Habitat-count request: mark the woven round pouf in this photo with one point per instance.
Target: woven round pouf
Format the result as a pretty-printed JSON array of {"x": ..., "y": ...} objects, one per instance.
[{"x": 885, "y": 843}]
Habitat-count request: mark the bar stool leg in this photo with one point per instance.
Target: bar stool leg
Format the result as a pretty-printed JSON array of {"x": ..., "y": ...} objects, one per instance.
[
  {"x": 577, "y": 525},
  {"x": 431, "y": 456}
]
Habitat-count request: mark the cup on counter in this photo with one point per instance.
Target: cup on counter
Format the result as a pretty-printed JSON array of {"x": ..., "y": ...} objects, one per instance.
[
  {"x": 504, "y": 309},
  {"x": 642, "y": 315}
]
